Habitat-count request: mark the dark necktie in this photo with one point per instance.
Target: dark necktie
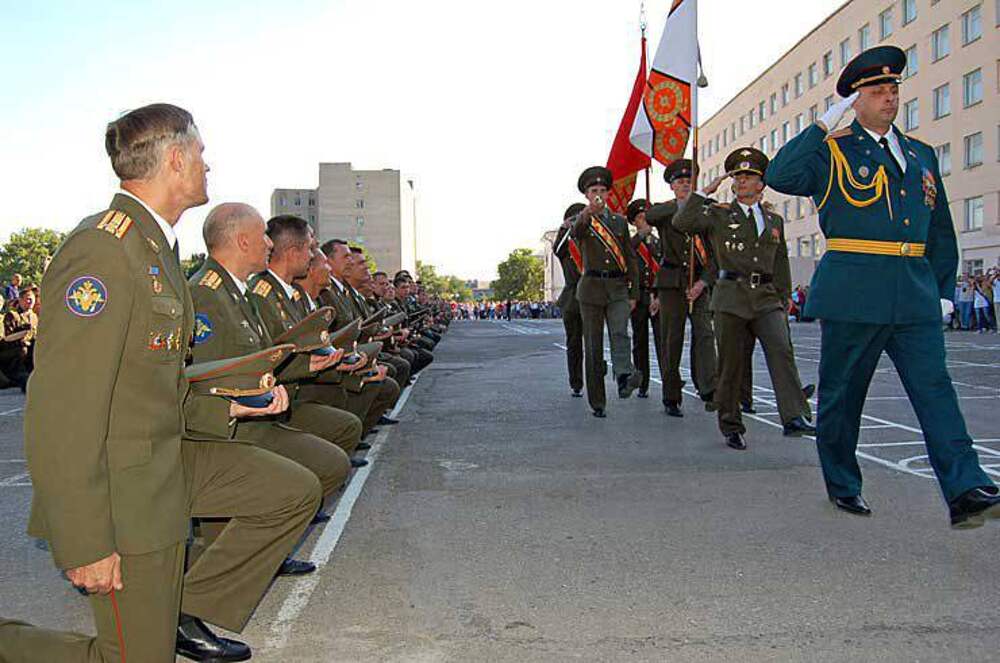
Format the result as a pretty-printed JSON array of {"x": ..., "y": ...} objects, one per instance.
[
  {"x": 884, "y": 142},
  {"x": 177, "y": 251}
]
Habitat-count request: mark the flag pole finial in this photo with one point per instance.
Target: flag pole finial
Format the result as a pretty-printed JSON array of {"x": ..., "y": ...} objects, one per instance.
[{"x": 642, "y": 18}]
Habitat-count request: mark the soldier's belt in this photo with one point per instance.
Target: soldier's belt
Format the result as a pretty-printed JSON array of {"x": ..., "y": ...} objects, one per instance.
[
  {"x": 754, "y": 278},
  {"x": 877, "y": 247},
  {"x": 605, "y": 273}
]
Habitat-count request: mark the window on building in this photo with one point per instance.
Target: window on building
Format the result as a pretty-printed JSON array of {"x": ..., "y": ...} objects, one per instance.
[
  {"x": 973, "y": 267},
  {"x": 752, "y": 119},
  {"x": 800, "y": 123},
  {"x": 813, "y": 75},
  {"x": 358, "y": 185},
  {"x": 827, "y": 103},
  {"x": 798, "y": 208},
  {"x": 799, "y": 85},
  {"x": 715, "y": 144},
  {"x": 909, "y": 11},
  {"x": 942, "y": 101},
  {"x": 282, "y": 201},
  {"x": 312, "y": 200},
  {"x": 786, "y": 129},
  {"x": 813, "y": 113},
  {"x": 298, "y": 200},
  {"x": 973, "y": 150},
  {"x": 359, "y": 204},
  {"x": 864, "y": 38},
  {"x": 974, "y": 213},
  {"x": 786, "y": 206},
  {"x": 885, "y": 24},
  {"x": 743, "y": 124},
  {"x": 762, "y": 144},
  {"x": 972, "y": 25},
  {"x": 816, "y": 245},
  {"x": 805, "y": 246},
  {"x": 943, "y": 153},
  {"x": 828, "y": 64},
  {"x": 312, "y": 219},
  {"x": 911, "y": 113},
  {"x": 940, "y": 43},
  {"x": 784, "y": 94},
  {"x": 359, "y": 221},
  {"x": 972, "y": 88},
  {"x": 732, "y": 130},
  {"x": 845, "y": 52},
  {"x": 762, "y": 110},
  {"x": 774, "y": 140},
  {"x": 912, "y": 65}
]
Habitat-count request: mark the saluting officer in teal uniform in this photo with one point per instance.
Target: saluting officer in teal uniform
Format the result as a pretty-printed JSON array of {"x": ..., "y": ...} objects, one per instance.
[{"x": 886, "y": 278}]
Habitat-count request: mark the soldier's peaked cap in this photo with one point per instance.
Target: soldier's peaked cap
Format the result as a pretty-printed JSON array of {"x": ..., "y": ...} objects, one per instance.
[
  {"x": 312, "y": 333},
  {"x": 746, "y": 160},
  {"x": 677, "y": 169},
  {"x": 882, "y": 64},
  {"x": 239, "y": 378},
  {"x": 635, "y": 208},
  {"x": 595, "y": 175},
  {"x": 573, "y": 210}
]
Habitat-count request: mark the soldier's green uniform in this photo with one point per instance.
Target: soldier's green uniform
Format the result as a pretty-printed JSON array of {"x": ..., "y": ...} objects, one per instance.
[
  {"x": 753, "y": 285},
  {"x": 17, "y": 354},
  {"x": 226, "y": 325},
  {"x": 671, "y": 290},
  {"x": 647, "y": 259},
  {"x": 609, "y": 282},
  {"x": 891, "y": 256},
  {"x": 566, "y": 250},
  {"x": 280, "y": 311},
  {"x": 112, "y": 473}
]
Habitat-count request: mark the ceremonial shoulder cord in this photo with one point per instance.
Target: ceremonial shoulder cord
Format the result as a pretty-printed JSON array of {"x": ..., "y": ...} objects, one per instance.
[{"x": 840, "y": 167}]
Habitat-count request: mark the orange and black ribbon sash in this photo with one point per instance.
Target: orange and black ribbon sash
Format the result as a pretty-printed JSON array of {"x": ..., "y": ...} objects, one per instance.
[
  {"x": 609, "y": 242},
  {"x": 699, "y": 250},
  {"x": 647, "y": 257},
  {"x": 574, "y": 252}
]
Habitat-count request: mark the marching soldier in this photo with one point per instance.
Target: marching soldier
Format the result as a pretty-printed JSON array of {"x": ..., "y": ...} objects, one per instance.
[
  {"x": 571, "y": 260},
  {"x": 607, "y": 290},
  {"x": 646, "y": 311},
  {"x": 886, "y": 279},
  {"x": 115, "y": 484},
  {"x": 754, "y": 283},
  {"x": 679, "y": 300}
]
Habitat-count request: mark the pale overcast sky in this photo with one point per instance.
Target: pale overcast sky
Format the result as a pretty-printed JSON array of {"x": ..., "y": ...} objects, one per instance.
[{"x": 493, "y": 107}]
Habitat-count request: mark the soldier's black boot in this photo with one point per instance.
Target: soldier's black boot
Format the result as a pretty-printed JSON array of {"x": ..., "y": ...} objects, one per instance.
[
  {"x": 673, "y": 409},
  {"x": 854, "y": 504},
  {"x": 736, "y": 441},
  {"x": 628, "y": 382},
  {"x": 747, "y": 407},
  {"x": 973, "y": 507},
  {"x": 798, "y": 426},
  {"x": 196, "y": 641}
]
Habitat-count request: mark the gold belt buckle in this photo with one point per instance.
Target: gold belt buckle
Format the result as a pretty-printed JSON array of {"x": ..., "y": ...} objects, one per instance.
[
  {"x": 754, "y": 279},
  {"x": 905, "y": 249}
]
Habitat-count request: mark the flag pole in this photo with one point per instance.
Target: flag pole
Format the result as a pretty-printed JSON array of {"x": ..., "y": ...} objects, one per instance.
[
  {"x": 694, "y": 152},
  {"x": 642, "y": 29}
]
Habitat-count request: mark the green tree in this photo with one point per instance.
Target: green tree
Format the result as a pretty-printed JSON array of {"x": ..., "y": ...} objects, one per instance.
[
  {"x": 443, "y": 286},
  {"x": 27, "y": 252},
  {"x": 192, "y": 264},
  {"x": 521, "y": 276}
]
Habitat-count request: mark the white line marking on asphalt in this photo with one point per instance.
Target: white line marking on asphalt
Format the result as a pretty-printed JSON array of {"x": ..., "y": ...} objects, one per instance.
[
  {"x": 298, "y": 597},
  {"x": 14, "y": 411},
  {"x": 16, "y": 480},
  {"x": 14, "y": 460}
]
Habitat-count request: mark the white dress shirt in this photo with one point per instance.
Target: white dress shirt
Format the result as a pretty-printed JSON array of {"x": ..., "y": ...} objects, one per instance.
[
  {"x": 168, "y": 230},
  {"x": 894, "y": 146},
  {"x": 758, "y": 215},
  {"x": 289, "y": 290},
  {"x": 240, "y": 285}
]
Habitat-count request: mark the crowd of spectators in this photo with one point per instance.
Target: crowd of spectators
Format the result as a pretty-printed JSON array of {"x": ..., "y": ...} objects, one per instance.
[
  {"x": 20, "y": 308},
  {"x": 977, "y": 302}
]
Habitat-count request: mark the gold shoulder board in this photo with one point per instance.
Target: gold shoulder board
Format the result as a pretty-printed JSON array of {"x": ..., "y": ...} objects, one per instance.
[
  {"x": 262, "y": 289},
  {"x": 115, "y": 223},
  {"x": 840, "y": 133},
  {"x": 211, "y": 280}
]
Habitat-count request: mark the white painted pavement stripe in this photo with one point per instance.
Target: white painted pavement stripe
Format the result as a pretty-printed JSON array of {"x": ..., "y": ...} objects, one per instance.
[
  {"x": 14, "y": 411},
  {"x": 303, "y": 588},
  {"x": 16, "y": 480}
]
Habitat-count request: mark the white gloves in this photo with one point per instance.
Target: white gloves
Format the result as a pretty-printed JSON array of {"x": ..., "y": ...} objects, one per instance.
[
  {"x": 947, "y": 308},
  {"x": 831, "y": 118}
]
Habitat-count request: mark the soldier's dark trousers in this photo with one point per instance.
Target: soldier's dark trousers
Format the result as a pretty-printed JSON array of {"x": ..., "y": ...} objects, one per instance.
[
  {"x": 848, "y": 357},
  {"x": 573, "y": 324},
  {"x": 673, "y": 318},
  {"x": 616, "y": 315},
  {"x": 223, "y": 587},
  {"x": 641, "y": 320},
  {"x": 772, "y": 330}
]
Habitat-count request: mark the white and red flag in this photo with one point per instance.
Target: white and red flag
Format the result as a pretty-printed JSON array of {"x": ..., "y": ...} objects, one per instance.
[
  {"x": 663, "y": 124},
  {"x": 625, "y": 161}
]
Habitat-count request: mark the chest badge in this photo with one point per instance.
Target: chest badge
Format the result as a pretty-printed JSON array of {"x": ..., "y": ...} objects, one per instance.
[
  {"x": 863, "y": 171},
  {"x": 86, "y": 296}
]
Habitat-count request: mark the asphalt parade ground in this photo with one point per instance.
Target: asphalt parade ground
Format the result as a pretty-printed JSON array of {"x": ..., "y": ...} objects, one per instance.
[{"x": 499, "y": 521}]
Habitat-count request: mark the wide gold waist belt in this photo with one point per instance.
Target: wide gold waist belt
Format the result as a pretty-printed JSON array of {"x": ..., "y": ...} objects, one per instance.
[{"x": 877, "y": 247}]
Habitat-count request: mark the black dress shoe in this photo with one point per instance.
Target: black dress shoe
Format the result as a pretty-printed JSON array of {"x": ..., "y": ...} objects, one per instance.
[
  {"x": 359, "y": 462},
  {"x": 973, "y": 507},
  {"x": 320, "y": 518},
  {"x": 196, "y": 642},
  {"x": 747, "y": 407},
  {"x": 576, "y": 393},
  {"x": 707, "y": 396},
  {"x": 387, "y": 421},
  {"x": 599, "y": 413},
  {"x": 736, "y": 441},
  {"x": 627, "y": 383},
  {"x": 643, "y": 393},
  {"x": 808, "y": 391},
  {"x": 673, "y": 410},
  {"x": 363, "y": 446},
  {"x": 797, "y": 427},
  {"x": 856, "y": 505},
  {"x": 295, "y": 567}
]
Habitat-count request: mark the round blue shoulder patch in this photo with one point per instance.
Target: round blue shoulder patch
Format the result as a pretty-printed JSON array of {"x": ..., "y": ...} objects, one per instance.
[
  {"x": 202, "y": 328},
  {"x": 86, "y": 296}
]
